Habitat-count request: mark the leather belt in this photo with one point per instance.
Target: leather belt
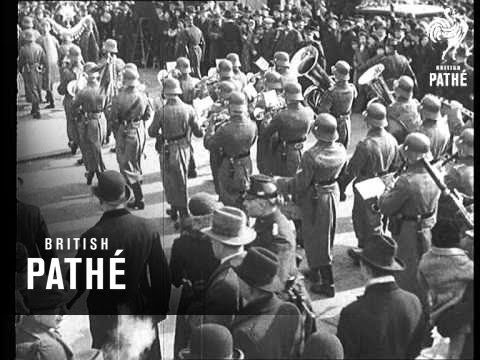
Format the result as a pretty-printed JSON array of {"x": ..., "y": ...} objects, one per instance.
[
  {"x": 325, "y": 183},
  {"x": 417, "y": 217},
  {"x": 296, "y": 141},
  {"x": 175, "y": 138}
]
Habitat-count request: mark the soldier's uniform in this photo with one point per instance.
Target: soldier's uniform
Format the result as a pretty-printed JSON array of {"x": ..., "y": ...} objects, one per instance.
[
  {"x": 238, "y": 75},
  {"x": 403, "y": 117},
  {"x": 376, "y": 155},
  {"x": 87, "y": 107},
  {"x": 282, "y": 65},
  {"x": 71, "y": 71},
  {"x": 130, "y": 110},
  {"x": 273, "y": 81},
  {"x": 194, "y": 42},
  {"x": 411, "y": 204},
  {"x": 31, "y": 60},
  {"x": 225, "y": 72},
  {"x": 274, "y": 231},
  {"x": 234, "y": 139},
  {"x": 316, "y": 192},
  {"x": 338, "y": 101},
  {"x": 434, "y": 126},
  {"x": 292, "y": 126},
  {"x": 173, "y": 125},
  {"x": 35, "y": 340}
]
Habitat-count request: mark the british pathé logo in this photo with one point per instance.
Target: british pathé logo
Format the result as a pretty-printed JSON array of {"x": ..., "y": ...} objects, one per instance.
[{"x": 451, "y": 28}]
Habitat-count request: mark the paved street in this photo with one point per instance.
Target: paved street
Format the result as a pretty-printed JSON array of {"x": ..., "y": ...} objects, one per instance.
[{"x": 58, "y": 187}]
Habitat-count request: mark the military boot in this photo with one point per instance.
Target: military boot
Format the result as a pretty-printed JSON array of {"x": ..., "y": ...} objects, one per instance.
[
  {"x": 173, "y": 213},
  {"x": 326, "y": 287},
  {"x": 50, "y": 100},
  {"x": 137, "y": 203},
  {"x": 35, "y": 111},
  {"x": 89, "y": 175}
]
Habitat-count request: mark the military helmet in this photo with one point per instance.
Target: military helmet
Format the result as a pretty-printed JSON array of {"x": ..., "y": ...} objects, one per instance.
[
  {"x": 130, "y": 77},
  {"x": 225, "y": 68},
  {"x": 376, "y": 115},
  {"x": 110, "y": 45},
  {"x": 226, "y": 87},
  {"x": 234, "y": 59},
  {"x": 171, "y": 86},
  {"x": 293, "y": 91},
  {"x": 273, "y": 80},
  {"x": 131, "y": 66},
  {"x": 325, "y": 128},
  {"x": 466, "y": 142},
  {"x": 237, "y": 102},
  {"x": 281, "y": 59},
  {"x": 28, "y": 35},
  {"x": 183, "y": 64},
  {"x": 417, "y": 143},
  {"x": 403, "y": 86},
  {"x": 430, "y": 107},
  {"x": 341, "y": 70}
]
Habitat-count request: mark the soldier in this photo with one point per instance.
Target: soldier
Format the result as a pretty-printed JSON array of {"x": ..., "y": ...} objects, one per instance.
[
  {"x": 37, "y": 337},
  {"x": 292, "y": 126},
  {"x": 194, "y": 42},
  {"x": 225, "y": 73},
  {"x": 238, "y": 75},
  {"x": 411, "y": 204},
  {"x": 282, "y": 66},
  {"x": 31, "y": 63},
  {"x": 187, "y": 84},
  {"x": 376, "y": 155},
  {"x": 338, "y": 101},
  {"x": 274, "y": 231},
  {"x": 464, "y": 94},
  {"x": 27, "y": 25},
  {"x": 173, "y": 125},
  {"x": 273, "y": 81},
  {"x": 403, "y": 117},
  {"x": 71, "y": 70},
  {"x": 434, "y": 126},
  {"x": 234, "y": 139},
  {"x": 87, "y": 108},
  {"x": 316, "y": 193},
  {"x": 130, "y": 110}
]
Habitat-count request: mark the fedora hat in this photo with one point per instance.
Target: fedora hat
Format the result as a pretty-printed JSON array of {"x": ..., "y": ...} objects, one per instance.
[
  {"x": 112, "y": 187},
  {"x": 229, "y": 226},
  {"x": 261, "y": 187},
  {"x": 380, "y": 252},
  {"x": 259, "y": 269},
  {"x": 211, "y": 341}
]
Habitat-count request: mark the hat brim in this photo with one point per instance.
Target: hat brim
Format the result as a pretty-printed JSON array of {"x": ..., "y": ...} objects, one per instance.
[
  {"x": 246, "y": 237},
  {"x": 396, "y": 265},
  {"x": 186, "y": 354},
  {"x": 127, "y": 195},
  {"x": 325, "y": 137},
  {"x": 273, "y": 286}
]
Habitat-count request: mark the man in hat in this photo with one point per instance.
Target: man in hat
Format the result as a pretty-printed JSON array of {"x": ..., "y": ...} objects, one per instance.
[
  {"x": 323, "y": 345},
  {"x": 282, "y": 65},
  {"x": 434, "y": 126},
  {"x": 235, "y": 139},
  {"x": 403, "y": 117},
  {"x": 210, "y": 341},
  {"x": 345, "y": 43},
  {"x": 194, "y": 42},
  {"x": 267, "y": 44},
  {"x": 173, "y": 126},
  {"x": 374, "y": 156},
  {"x": 31, "y": 63},
  {"x": 146, "y": 273},
  {"x": 329, "y": 33},
  {"x": 311, "y": 37},
  {"x": 229, "y": 234},
  {"x": 231, "y": 35},
  {"x": 292, "y": 126},
  {"x": 274, "y": 232},
  {"x": 290, "y": 38},
  {"x": 37, "y": 337},
  {"x": 265, "y": 319},
  {"x": 411, "y": 205},
  {"x": 338, "y": 101},
  {"x": 387, "y": 321},
  {"x": 316, "y": 193},
  {"x": 238, "y": 75},
  {"x": 396, "y": 65},
  {"x": 214, "y": 39},
  {"x": 87, "y": 108},
  {"x": 130, "y": 111}
]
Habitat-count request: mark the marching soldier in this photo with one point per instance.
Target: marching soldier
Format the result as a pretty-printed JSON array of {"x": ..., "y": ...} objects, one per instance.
[
  {"x": 31, "y": 62},
  {"x": 234, "y": 139},
  {"x": 339, "y": 99},
  {"x": 238, "y": 75},
  {"x": 434, "y": 126},
  {"x": 282, "y": 65},
  {"x": 274, "y": 231},
  {"x": 218, "y": 115},
  {"x": 187, "y": 84},
  {"x": 130, "y": 110},
  {"x": 411, "y": 204},
  {"x": 292, "y": 126},
  {"x": 316, "y": 192},
  {"x": 376, "y": 155},
  {"x": 403, "y": 117},
  {"x": 71, "y": 70},
  {"x": 273, "y": 81},
  {"x": 87, "y": 107},
  {"x": 173, "y": 125}
]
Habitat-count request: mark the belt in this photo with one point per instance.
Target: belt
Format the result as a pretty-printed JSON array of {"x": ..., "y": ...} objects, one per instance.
[
  {"x": 325, "y": 183},
  {"x": 417, "y": 217},
  {"x": 175, "y": 138},
  {"x": 345, "y": 114},
  {"x": 239, "y": 156},
  {"x": 296, "y": 141}
]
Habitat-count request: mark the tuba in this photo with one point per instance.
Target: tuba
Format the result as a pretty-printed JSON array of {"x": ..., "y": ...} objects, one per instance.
[
  {"x": 305, "y": 63},
  {"x": 373, "y": 77}
]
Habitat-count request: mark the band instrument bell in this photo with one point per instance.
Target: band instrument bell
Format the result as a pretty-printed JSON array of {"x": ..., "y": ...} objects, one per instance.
[{"x": 373, "y": 77}]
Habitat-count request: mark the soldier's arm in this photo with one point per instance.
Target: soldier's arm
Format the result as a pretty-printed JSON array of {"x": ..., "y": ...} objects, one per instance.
[
  {"x": 356, "y": 162},
  {"x": 326, "y": 103},
  {"x": 392, "y": 200},
  {"x": 193, "y": 123},
  {"x": 301, "y": 180},
  {"x": 156, "y": 125},
  {"x": 213, "y": 140},
  {"x": 271, "y": 128},
  {"x": 148, "y": 113}
]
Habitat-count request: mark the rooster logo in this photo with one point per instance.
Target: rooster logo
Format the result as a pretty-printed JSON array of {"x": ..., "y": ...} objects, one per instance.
[{"x": 452, "y": 28}]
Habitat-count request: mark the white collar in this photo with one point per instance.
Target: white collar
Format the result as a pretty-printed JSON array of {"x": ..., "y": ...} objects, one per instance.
[
  {"x": 226, "y": 258},
  {"x": 447, "y": 251},
  {"x": 380, "y": 280}
]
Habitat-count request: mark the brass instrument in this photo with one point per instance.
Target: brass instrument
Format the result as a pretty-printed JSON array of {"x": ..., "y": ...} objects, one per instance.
[
  {"x": 465, "y": 112},
  {"x": 373, "y": 78},
  {"x": 207, "y": 82},
  {"x": 305, "y": 63},
  {"x": 78, "y": 84}
]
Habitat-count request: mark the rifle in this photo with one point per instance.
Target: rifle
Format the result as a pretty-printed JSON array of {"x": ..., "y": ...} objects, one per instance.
[{"x": 451, "y": 196}]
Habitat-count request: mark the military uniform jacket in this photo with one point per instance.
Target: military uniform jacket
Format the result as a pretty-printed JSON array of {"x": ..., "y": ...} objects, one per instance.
[
  {"x": 338, "y": 100},
  {"x": 35, "y": 341},
  {"x": 187, "y": 84},
  {"x": 67, "y": 74},
  {"x": 129, "y": 107},
  {"x": 397, "y": 65},
  {"x": 403, "y": 118},
  {"x": 439, "y": 135},
  {"x": 387, "y": 322},
  {"x": 89, "y": 100},
  {"x": 268, "y": 328}
]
